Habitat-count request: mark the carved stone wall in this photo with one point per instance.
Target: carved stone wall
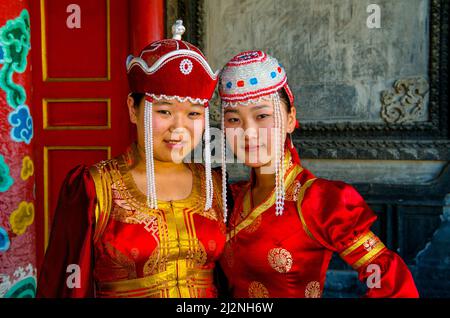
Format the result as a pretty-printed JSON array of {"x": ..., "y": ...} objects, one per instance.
[{"x": 336, "y": 65}]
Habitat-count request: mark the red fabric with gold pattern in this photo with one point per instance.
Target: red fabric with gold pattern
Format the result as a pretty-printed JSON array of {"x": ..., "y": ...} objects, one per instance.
[
  {"x": 288, "y": 256},
  {"x": 340, "y": 219},
  {"x": 140, "y": 252}
]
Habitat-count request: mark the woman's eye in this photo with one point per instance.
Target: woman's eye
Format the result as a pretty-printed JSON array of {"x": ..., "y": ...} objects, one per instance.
[
  {"x": 262, "y": 116},
  {"x": 233, "y": 120},
  {"x": 194, "y": 114},
  {"x": 163, "y": 112}
]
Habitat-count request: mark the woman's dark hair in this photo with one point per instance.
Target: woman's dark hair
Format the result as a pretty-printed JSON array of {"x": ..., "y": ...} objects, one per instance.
[
  {"x": 137, "y": 98},
  {"x": 285, "y": 98}
]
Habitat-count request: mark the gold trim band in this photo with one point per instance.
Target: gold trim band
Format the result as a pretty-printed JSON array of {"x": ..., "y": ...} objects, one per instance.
[
  {"x": 357, "y": 244},
  {"x": 265, "y": 205},
  {"x": 299, "y": 205},
  {"x": 369, "y": 256},
  {"x": 160, "y": 280}
]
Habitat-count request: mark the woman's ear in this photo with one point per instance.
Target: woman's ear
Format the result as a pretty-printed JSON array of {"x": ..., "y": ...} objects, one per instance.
[
  {"x": 291, "y": 120},
  {"x": 132, "y": 109}
]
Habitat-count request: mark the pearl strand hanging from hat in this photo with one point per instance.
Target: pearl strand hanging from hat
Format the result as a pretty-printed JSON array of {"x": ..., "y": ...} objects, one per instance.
[
  {"x": 279, "y": 156},
  {"x": 224, "y": 167},
  {"x": 152, "y": 201}
]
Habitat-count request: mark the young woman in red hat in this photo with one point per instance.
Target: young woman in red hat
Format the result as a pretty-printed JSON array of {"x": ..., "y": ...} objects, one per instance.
[
  {"x": 145, "y": 224},
  {"x": 286, "y": 223}
]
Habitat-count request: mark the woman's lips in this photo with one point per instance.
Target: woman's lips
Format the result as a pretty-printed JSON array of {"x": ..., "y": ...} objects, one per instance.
[
  {"x": 173, "y": 144},
  {"x": 250, "y": 148}
]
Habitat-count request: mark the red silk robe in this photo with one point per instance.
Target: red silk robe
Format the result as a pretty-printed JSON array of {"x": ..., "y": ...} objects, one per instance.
[
  {"x": 124, "y": 249},
  {"x": 288, "y": 255}
]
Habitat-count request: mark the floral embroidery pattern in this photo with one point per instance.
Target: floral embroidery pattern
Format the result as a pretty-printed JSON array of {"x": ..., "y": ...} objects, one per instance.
[
  {"x": 15, "y": 45},
  {"x": 312, "y": 290},
  {"x": 21, "y": 218},
  {"x": 27, "y": 168},
  {"x": 5, "y": 178},
  {"x": 22, "y": 124},
  {"x": 257, "y": 290},
  {"x": 370, "y": 244},
  {"x": 280, "y": 260},
  {"x": 4, "y": 240}
]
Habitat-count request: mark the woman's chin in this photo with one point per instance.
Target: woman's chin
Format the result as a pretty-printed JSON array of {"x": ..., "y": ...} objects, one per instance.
[
  {"x": 173, "y": 155},
  {"x": 256, "y": 163}
]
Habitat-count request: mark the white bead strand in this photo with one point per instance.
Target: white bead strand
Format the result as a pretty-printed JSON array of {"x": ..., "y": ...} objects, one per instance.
[
  {"x": 152, "y": 201},
  {"x": 224, "y": 167},
  {"x": 207, "y": 155}
]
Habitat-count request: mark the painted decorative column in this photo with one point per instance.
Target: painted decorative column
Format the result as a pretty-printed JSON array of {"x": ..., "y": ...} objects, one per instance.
[
  {"x": 146, "y": 25},
  {"x": 17, "y": 231}
]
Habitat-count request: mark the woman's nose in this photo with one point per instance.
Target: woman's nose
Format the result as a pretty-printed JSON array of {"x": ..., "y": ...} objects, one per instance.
[
  {"x": 250, "y": 129},
  {"x": 177, "y": 123}
]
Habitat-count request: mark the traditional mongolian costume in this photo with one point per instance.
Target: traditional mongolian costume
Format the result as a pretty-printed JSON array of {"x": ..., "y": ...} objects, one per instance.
[
  {"x": 283, "y": 246},
  {"x": 128, "y": 243}
]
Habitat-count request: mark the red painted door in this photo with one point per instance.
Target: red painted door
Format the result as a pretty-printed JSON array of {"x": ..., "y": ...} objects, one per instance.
[{"x": 79, "y": 48}]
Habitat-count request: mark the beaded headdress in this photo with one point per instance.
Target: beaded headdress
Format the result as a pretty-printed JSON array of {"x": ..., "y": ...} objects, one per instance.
[{"x": 249, "y": 78}]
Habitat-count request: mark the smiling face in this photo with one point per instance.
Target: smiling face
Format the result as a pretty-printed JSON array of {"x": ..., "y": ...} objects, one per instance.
[
  {"x": 250, "y": 131},
  {"x": 177, "y": 127}
]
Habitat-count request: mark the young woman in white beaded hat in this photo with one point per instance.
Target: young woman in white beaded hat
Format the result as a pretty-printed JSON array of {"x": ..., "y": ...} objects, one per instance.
[
  {"x": 145, "y": 224},
  {"x": 286, "y": 223}
]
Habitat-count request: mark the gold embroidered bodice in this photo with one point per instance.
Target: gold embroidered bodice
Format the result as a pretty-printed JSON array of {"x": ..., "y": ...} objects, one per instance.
[{"x": 142, "y": 252}]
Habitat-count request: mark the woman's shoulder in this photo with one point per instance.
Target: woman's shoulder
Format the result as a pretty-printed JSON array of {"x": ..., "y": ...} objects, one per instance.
[
  {"x": 109, "y": 166},
  {"x": 334, "y": 210},
  {"x": 120, "y": 163},
  {"x": 77, "y": 179},
  {"x": 323, "y": 194}
]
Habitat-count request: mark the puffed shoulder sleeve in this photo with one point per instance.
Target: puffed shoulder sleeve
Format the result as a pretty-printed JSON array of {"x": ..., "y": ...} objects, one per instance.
[
  {"x": 336, "y": 215},
  {"x": 70, "y": 248}
]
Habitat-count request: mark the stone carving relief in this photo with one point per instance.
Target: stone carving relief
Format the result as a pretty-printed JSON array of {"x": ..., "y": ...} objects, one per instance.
[{"x": 405, "y": 102}]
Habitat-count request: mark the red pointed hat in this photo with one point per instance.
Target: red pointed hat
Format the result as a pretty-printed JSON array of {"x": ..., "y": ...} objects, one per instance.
[{"x": 172, "y": 68}]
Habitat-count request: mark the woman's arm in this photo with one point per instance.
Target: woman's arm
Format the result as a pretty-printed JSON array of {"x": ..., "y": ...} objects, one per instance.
[
  {"x": 340, "y": 219},
  {"x": 67, "y": 270}
]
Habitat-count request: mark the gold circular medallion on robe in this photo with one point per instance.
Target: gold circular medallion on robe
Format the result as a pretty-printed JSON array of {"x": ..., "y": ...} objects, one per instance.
[
  {"x": 257, "y": 290},
  {"x": 312, "y": 290},
  {"x": 280, "y": 259}
]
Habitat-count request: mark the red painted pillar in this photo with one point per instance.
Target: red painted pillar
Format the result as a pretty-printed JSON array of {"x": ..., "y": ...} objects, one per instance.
[
  {"x": 146, "y": 23},
  {"x": 17, "y": 230}
]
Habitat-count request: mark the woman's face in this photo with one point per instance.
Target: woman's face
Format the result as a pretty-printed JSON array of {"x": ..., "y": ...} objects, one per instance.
[
  {"x": 251, "y": 134},
  {"x": 177, "y": 127}
]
